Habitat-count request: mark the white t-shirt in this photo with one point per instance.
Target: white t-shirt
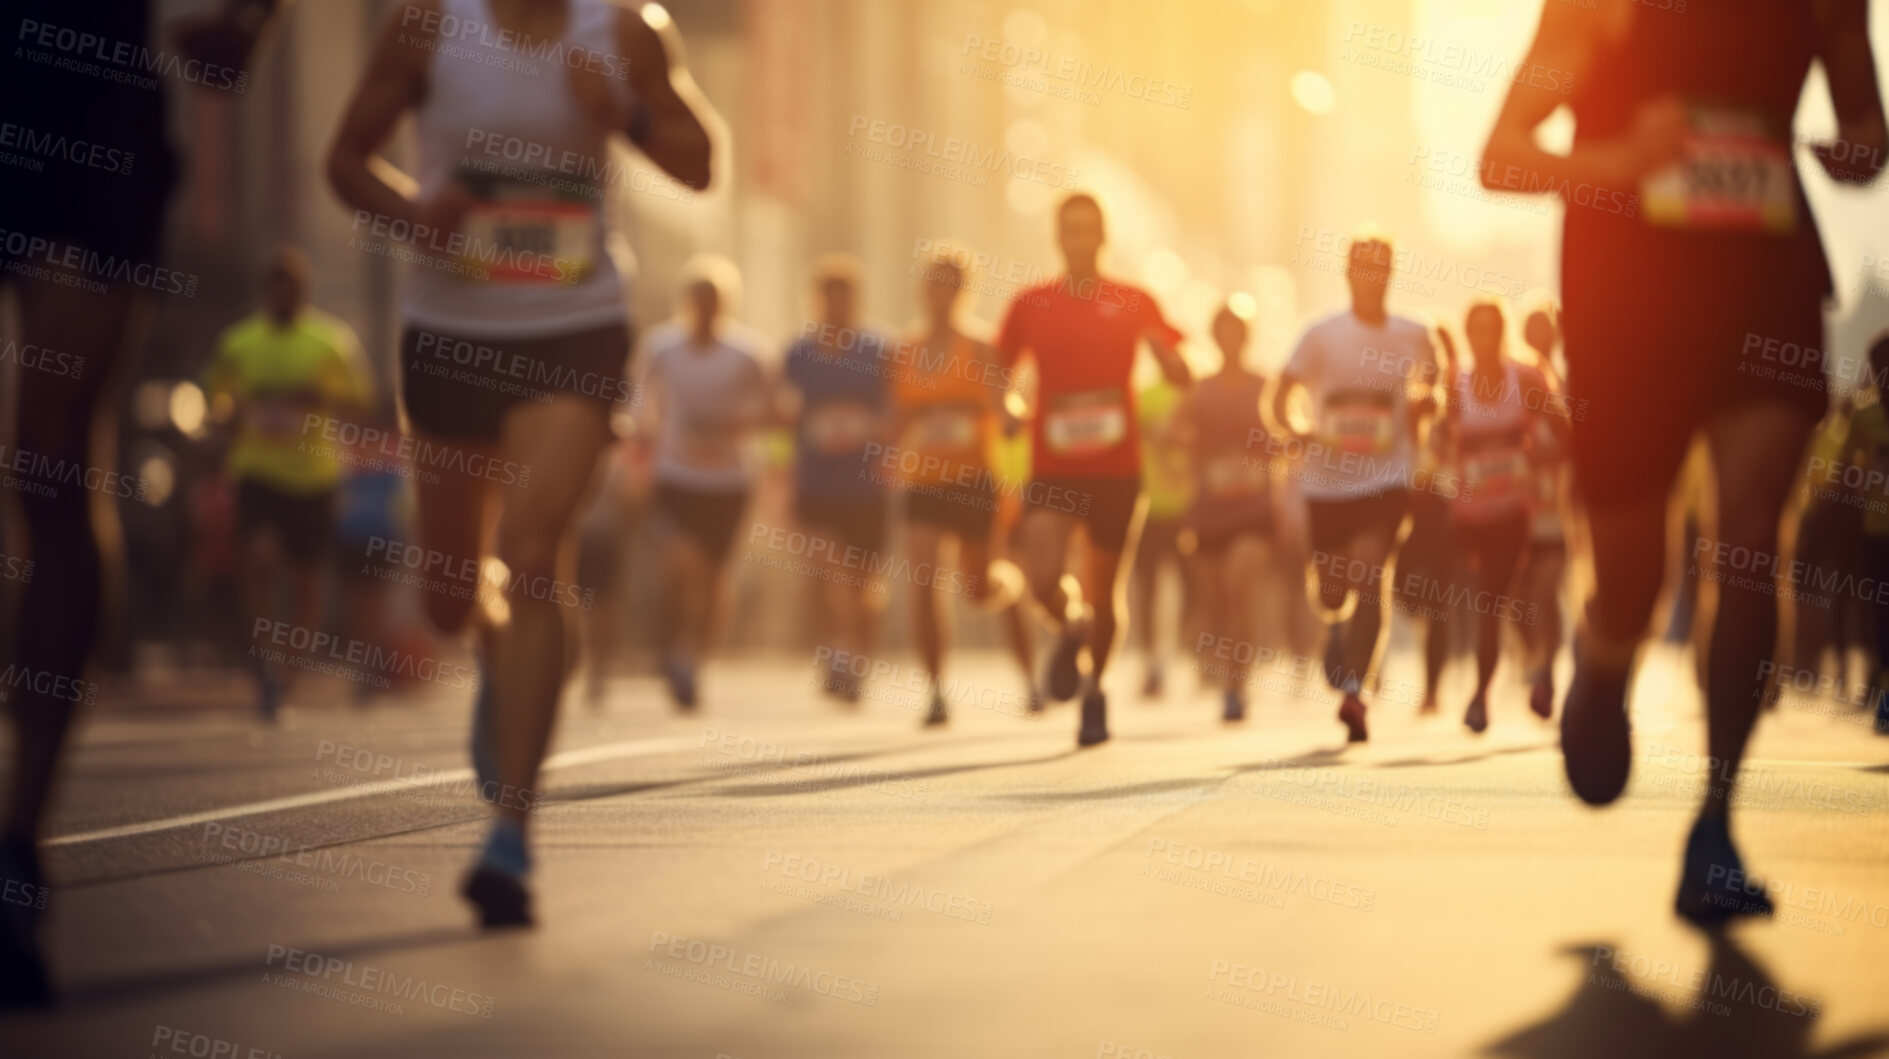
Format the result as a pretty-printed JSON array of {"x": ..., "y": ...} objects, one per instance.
[
  {"x": 705, "y": 400},
  {"x": 1358, "y": 378}
]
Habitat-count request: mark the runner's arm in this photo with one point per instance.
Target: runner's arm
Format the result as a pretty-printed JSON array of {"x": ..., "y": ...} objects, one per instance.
[
  {"x": 1421, "y": 392},
  {"x": 1173, "y": 365},
  {"x": 1850, "y": 66},
  {"x": 784, "y": 398},
  {"x": 226, "y": 37},
  {"x": 666, "y": 117},
  {"x": 1013, "y": 344},
  {"x": 219, "y": 386},
  {"x": 1566, "y": 41},
  {"x": 395, "y": 80},
  {"x": 1277, "y": 410},
  {"x": 647, "y": 416},
  {"x": 994, "y": 393},
  {"x": 1553, "y": 406}
]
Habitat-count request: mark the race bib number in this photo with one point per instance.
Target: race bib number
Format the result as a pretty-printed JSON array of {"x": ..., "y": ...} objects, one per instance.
[
  {"x": 1234, "y": 474},
  {"x": 1085, "y": 424},
  {"x": 1359, "y": 421},
  {"x": 278, "y": 417},
  {"x": 1495, "y": 473},
  {"x": 841, "y": 427},
  {"x": 1736, "y": 176},
  {"x": 944, "y": 429},
  {"x": 522, "y": 236}
]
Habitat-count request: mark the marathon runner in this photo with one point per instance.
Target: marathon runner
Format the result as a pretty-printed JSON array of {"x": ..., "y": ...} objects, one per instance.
[
  {"x": 1430, "y": 556},
  {"x": 1082, "y": 331},
  {"x": 1232, "y": 517},
  {"x": 1867, "y": 449},
  {"x": 1367, "y": 374},
  {"x": 514, "y": 274},
  {"x": 1488, "y": 426},
  {"x": 1539, "y": 583},
  {"x": 704, "y": 398},
  {"x": 67, "y": 420},
  {"x": 605, "y": 531},
  {"x": 271, "y": 371},
  {"x": 833, "y": 388},
  {"x": 947, "y": 403},
  {"x": 1688, "y": 120},
  {"x": 1829, "y": 536},
  {"x": 1167, "y": 478}
]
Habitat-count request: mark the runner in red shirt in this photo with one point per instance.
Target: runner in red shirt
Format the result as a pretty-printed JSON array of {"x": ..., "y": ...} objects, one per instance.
[{"x": 1082, "y": 331}]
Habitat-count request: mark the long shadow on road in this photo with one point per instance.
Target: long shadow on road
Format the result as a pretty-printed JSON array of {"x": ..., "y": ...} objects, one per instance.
[
  {"x": 866, "y": 779},
  {"x": 76, "y": 999},
  {"x": 1735, "y": 1010}
]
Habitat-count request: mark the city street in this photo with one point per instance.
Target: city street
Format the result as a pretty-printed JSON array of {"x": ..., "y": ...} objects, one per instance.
[{"x": 778, "y": 876}]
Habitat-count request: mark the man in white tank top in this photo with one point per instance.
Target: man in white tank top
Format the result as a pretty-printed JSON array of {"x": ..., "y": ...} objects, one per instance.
[{"x": 517, "y": 329}]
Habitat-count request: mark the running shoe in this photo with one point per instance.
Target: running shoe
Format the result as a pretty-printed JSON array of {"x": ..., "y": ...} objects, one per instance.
[
  {"x": 680, "y": 676},
  {"x": 1713, "y": 886},
  {"x": 1476, "y": 718},
  {"x": 1064, "y": 677},
  {"x": 496, "y": 884},
  {"x": 1094, "y": 719},
  {"x": 484, "y": 750},
  {"x": 1596, "y": 738},
  {"x": 1351, "y": 713},
  {"x": 936, "y": 715},
  {"x": 24, "y": 982},
  {"x": 1234, "y": 706}
]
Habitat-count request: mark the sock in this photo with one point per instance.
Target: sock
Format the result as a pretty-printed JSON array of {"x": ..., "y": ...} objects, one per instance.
[{"x": 505, "y": 848}]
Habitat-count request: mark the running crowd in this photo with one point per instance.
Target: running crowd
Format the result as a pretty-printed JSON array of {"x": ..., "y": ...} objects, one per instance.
[{"x": 1386, "y": 465}]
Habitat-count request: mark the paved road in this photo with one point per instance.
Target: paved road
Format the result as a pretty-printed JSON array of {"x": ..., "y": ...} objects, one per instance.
[{"x": 776, "y": 877}]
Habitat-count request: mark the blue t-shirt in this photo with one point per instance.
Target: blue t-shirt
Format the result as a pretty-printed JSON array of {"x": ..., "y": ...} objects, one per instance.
[{"x": 842, "y": 410}]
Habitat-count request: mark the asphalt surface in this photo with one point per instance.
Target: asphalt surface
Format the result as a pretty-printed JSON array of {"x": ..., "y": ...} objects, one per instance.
[{"x": 776, "y": 875}]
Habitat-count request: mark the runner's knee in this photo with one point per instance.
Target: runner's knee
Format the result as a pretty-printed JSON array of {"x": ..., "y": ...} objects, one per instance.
[{"x": 528, "y": 552}]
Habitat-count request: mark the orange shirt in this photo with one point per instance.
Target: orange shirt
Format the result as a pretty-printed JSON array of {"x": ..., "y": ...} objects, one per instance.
[{"x": 943, "y": 399}]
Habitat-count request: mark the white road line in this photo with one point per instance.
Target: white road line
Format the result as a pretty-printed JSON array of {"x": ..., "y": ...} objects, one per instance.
[{"x": 585, "y": 756}]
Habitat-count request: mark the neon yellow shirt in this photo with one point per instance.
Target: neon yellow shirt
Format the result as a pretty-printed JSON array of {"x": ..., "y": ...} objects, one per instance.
[
  {"x": 1867, "y": 448},
  {"x": 279, "y": 376},
  {"x": 1167, "y": 472}
]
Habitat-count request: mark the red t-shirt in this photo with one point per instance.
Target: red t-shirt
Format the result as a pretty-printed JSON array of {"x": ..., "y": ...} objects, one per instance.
[{"x": 1083, "y": 339}]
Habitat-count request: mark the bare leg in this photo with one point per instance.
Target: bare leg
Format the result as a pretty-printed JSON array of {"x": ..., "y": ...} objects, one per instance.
[
  {"x": 262, "y": 578},
  {"x": 1144, "y": 599},
  {"x": 688, "y": 589},
  {"x": 1045, "y": 555},
  {"x": 1366, "y": 623},
  {"x": 1214, "y": 591},
  {"x": 1108, "y": 574},
  {"x": 1001, "y": 589},
  {"x": 1238, "y": 572},
  {"x": 1757, "y": 450},
  {"x": 72, "y": 535},
  {"x": 560, "y": 442},
  {"x": 1629, "y": 556},
  {"x": 453, "y": 515},
  {"x": 925, "y": 542}
]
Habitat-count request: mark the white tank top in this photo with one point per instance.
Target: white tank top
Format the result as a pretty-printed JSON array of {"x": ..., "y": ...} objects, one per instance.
[
  {"x": 537, "y": 257},
  {"x": 1492, "y": 422}
]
